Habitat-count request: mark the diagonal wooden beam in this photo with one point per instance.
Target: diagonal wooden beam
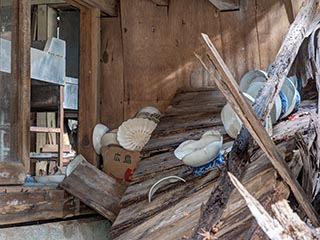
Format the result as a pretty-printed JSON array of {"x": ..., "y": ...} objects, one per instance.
[
  {"x": 230, "y": 90},
  {"x": 226, "y": 5},
  {"x": 281, "y": 66}
]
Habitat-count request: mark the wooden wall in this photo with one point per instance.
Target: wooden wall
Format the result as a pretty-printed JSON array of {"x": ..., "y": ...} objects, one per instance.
[{"x": 147, "y": 52}]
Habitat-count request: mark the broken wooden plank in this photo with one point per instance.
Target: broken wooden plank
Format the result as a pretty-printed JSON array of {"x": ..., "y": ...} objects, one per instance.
[
  {"x": 18, "y": 207},
  {"x": 94, "y": 188},
  {"x": 285, "y": 225},
  {"x": 274, "y": 229},
  {"x": 226, "y": 5},
  {"x": 140, "y": 211},
  {"x": 230, "y": 89}
]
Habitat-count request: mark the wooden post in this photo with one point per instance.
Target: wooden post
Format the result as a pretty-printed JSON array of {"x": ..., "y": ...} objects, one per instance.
[
  {"x": 89, "y": 86},
  {"x": 61, "y": 126}
]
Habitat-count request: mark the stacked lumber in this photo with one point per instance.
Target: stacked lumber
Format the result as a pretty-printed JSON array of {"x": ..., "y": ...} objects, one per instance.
[{"x": 175, "y": 209}]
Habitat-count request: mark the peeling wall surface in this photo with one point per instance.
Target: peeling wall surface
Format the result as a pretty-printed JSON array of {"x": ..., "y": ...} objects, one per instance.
[
  {"x": 147, "y": 52},
  {"x": 85, "y": 229}
]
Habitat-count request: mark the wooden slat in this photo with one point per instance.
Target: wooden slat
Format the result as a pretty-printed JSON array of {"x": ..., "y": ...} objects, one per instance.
[
  {"x": 161, "y": 2},
  {"x": 210, "y": 107},
  {"x": 94, "y": 188},
  {"x": 89, "y": 86},
  {"x": 172, "y": 140},
  {"x": 154, "y": 165},
  {"x": 188, "y": 98},
  {"x": 107, "y": 6},
  {"x": 244, "y": 111},
  {"x": 44, "y": 129},
  {"x": 142, "y": 210},
  {"x": 226, "y": 5},
  {"x": 182, "y": 123}
]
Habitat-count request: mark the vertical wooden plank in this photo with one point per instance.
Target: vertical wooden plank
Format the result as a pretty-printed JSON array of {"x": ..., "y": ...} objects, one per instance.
[
  {"x": 51, "y": 22},
  {"x": 296, "y": 4},
  {"x": 89, "y": 87},
  {"x": 158, "y": 45},
  {"x": 240, "y": 40},
  {"x": 22, "y": 69},
  {"x": 42, "y": 33},
  {"x": 41, "y": 137},
  {"x": 112, "y": 88},
  {"x": 51, "y": 122},
  {"x": 272, "y": 24}
]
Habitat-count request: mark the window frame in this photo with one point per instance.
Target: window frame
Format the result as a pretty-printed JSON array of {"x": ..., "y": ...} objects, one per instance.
[{"x": 15, "y": 172}]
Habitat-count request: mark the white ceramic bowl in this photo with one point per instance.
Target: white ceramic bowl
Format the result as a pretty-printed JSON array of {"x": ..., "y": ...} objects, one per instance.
[
  {"x": 150, "y": 113},
  {"x": 290, "y": 92},
  {"x": 98, "y": 131},
  {"x": 49, "y": 178},
  {"x": 110, "y": 138},
  {"x": 250, "y": 77},
  {"x": 134, "y": 133},
  {"x": 196, "y": 153}
]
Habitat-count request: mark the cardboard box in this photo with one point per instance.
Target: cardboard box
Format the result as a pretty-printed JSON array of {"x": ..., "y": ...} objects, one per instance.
[{"x": 119, "y": 162}]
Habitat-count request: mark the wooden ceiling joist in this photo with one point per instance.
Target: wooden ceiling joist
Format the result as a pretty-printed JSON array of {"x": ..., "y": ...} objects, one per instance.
[
  {"x": 226, "y": 5},
  {"x": 161, "y": 2},
  {"x": 108, "y": 7}
]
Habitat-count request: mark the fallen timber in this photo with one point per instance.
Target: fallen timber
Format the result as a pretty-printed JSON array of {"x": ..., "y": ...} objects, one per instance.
[{"x": 175, "y": 209}]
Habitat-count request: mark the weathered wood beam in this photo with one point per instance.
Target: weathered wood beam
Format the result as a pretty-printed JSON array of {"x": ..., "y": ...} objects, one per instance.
[
  {"x": 226, "y": 5},
  {"x": 109, "y": 7},
  {"x": 20, "y": 204},
  {"x": 230, "y": 89},
  {"x": 89, "y": 81},
  {"x": 281, "y": 66},
  {"x": 161, "y": 2},
  {"x": 95, "y": 188},
  {"x": 34, "y": 2}
]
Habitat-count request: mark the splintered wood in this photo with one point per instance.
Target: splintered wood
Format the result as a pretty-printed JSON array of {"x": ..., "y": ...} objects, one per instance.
[{"x": 285, "y": 225}]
